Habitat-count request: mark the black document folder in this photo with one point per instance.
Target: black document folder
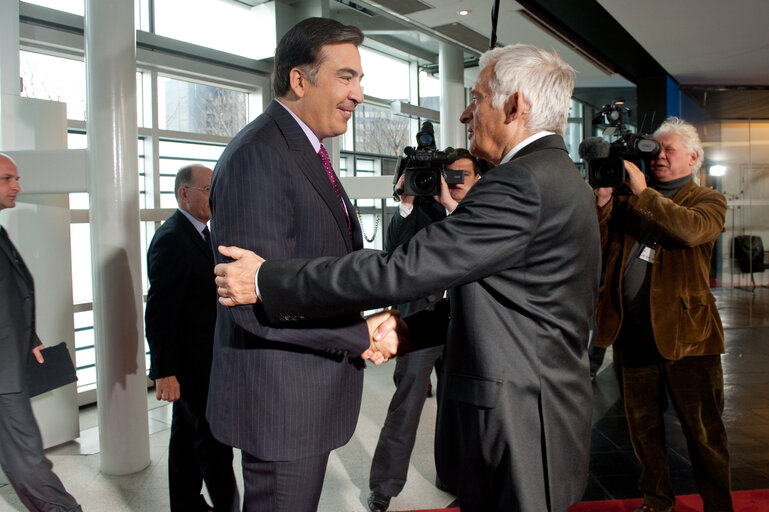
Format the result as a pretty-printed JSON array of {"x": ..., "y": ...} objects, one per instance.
[{"x": 55, "y": 371}]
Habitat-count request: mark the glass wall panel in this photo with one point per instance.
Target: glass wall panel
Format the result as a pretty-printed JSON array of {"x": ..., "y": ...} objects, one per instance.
[
  {"x": 384, "y": 77},
  {"x": 43, "y": 78},
  {"x": 198, "y": 108},
  {"x": 225, "y": 25},
  {"x": 429, "y": 91},
  {"x": 80, "y": 236},
  {"x": 379, "y": 131},
  {"x": 175, "y": 155},
  {"x": 70, "y": 6}
]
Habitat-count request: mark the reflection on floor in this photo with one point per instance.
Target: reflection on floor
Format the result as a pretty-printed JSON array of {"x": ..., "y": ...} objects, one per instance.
[{"x": 613, "y": 471}]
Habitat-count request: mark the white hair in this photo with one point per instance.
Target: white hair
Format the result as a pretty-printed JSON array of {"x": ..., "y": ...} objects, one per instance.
[
  {"x": 544, "y": 79},
  {"x": 688, "y": 134}
]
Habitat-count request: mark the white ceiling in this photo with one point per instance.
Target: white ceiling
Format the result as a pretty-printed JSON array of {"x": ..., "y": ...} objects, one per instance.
[
  {"x": 697, "y": 42},
  {"x": 701, "y": 42}
]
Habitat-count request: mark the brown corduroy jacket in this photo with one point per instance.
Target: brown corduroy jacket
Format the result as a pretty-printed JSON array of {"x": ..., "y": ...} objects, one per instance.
[{"x": 684, "y": 317}]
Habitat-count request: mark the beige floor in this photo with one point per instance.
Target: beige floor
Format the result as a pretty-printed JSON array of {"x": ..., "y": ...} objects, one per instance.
[{"x": 345, "y": 488}]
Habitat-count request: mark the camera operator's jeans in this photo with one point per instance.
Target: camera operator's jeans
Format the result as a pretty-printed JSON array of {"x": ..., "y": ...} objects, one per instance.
[{"x": 696, "y": 388}]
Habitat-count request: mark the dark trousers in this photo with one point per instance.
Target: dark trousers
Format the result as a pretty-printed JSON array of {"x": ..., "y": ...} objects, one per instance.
[
  {"x": 696, "y": 389},
  {"x": 283, "y": 486},
  {"x": 23, "y": 461},
  {"x": 396, "y": 440},
  {"x": 194, "y": 456}
]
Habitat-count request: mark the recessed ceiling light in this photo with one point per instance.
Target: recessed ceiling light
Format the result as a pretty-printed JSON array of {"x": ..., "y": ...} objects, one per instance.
[{"x": 463, "y": 12}]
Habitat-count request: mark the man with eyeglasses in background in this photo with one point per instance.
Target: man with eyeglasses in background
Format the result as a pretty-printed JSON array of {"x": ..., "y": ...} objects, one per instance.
[{"x": 180, "y": 319}]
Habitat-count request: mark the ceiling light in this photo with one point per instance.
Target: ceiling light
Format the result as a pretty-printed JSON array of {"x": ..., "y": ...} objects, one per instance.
[
  {"x": 463, "y": 12},
  {"x": 717, "y": 170}
]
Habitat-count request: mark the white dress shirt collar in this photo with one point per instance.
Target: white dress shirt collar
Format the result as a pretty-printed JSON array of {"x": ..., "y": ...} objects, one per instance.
[{"x": 525, "y": 142}]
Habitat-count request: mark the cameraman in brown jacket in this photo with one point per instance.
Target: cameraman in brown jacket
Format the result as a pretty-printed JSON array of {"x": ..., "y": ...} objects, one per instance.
[{"x": 657, "y": 309}]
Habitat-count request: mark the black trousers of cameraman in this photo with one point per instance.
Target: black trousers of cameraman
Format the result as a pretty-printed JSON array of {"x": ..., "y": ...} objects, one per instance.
[{"x": 396, "y": 440}]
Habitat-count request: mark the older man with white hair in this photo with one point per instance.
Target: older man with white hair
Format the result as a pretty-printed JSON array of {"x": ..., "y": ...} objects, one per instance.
[{"x": 657, "y": 309}]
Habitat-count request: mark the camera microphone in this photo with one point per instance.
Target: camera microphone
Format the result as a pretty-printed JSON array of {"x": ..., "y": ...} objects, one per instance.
[{"x": 593, "y": 147}]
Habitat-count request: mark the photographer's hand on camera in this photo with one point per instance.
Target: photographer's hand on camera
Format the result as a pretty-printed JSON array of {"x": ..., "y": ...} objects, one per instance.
[
  {"x": 634, "y": 178},
  {"x": 407, "y": 201},
  {"x": 445, "y": 198},
  {"x": 603, "y": 196}
]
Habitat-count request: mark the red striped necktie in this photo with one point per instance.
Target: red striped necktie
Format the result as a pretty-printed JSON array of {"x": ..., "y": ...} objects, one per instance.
[{"x": 332, "y": 177}]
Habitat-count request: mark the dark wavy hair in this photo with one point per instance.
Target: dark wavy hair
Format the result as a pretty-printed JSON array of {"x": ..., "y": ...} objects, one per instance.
[
  {"x": 480, "y": 165},
  {"x": 301, "y": 48}
]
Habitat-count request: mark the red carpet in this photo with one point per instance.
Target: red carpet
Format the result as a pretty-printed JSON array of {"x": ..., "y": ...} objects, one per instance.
[{"x": 744, "y": 501}]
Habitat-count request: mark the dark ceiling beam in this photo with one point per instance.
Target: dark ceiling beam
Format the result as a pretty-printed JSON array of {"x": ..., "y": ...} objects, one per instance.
[{"x": 589, "y": 26}]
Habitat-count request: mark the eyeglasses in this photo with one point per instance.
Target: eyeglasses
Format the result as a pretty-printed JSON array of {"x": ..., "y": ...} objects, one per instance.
[{"x": 205, "y": 189}]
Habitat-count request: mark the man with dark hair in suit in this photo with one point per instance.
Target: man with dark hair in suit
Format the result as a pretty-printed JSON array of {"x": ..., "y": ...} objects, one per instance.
[
  {"x": 389, "y": 466},
  {"x": 514, "y": 413},
  {"x": 180, "y": 318},
  {"x": 21, "y": 447},
  {"x": 287, "y": 395}
]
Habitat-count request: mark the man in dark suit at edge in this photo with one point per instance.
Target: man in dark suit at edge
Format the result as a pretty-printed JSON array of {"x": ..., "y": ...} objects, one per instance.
[
  {"x": 180, "y": 318},
  {"x": 287, "y": 395},
  {"x": 513, "y": 427},
  {"x": 21, "y": 447}
]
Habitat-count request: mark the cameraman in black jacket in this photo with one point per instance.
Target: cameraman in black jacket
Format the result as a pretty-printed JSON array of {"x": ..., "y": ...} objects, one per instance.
[{"x": 412, "y": 370}]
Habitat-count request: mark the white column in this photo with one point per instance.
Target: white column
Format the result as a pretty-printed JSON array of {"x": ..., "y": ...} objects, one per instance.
[
  {"x": 451, "y": 71},
  {"x": 113, "y": 184},
  {"x": 9, "y": 70}
]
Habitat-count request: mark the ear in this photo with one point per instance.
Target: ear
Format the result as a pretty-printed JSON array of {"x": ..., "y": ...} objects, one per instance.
[
  {"x": 298, "y": 82},
  {"x": 181, "y": 193},
  {"x": 693, "y": 158},
  {"x": 515, "y": 106}
]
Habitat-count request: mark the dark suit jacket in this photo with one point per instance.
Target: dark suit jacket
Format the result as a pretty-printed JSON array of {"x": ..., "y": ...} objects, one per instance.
[
  {"x": 401, "y": 229},
  {"x": 17, "y": 318},
  {"x": 523, "y": 270},
  {"x": 181, "y": 305},
  {"x": 282, "y": 393}
]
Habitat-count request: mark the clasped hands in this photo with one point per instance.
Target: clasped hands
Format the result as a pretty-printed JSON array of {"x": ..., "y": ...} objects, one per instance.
[{"x": 236, "y": 286}]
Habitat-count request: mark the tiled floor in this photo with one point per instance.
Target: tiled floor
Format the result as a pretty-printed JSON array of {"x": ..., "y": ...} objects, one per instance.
[
  {"x": 613, "y": 470},
  {"x": 613, "y": 474}
]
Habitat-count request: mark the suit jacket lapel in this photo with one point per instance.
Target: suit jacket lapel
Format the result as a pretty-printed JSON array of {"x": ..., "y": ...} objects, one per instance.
[
  {"x": 194, "y": 235},
  {"x": 310, "y": 165}
]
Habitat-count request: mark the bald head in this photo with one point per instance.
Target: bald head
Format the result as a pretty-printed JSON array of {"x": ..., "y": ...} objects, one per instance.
[{"x": 9, "y": 182}]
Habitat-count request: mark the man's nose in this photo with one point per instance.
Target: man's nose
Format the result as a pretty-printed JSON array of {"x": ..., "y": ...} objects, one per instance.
[
  {"x": 466, "y": 116},
  {"x": 356, "y": 94}
]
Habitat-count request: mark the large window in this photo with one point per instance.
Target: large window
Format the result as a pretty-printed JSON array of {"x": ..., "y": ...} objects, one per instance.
[
  {"x": 198, "y": 108},
  {"x": 225, "y": 25},
  {"x": 47, "y": 77},
  {"x": 181, "y": 120}
]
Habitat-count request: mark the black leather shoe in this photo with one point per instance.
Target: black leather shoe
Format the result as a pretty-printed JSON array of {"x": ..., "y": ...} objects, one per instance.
[{"x": 378, "y": 502}]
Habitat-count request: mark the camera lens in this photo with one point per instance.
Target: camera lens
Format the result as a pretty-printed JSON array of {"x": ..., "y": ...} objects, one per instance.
[
  {"x": 424, "y": 181},
  {"x": 425, "y": 139}
]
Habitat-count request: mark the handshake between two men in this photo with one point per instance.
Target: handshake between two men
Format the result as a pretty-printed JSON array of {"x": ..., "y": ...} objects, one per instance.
[{"x": 236, "y": 286}]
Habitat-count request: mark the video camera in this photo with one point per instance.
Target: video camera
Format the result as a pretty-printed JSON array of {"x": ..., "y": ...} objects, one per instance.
[
  {"x": 424, "y": 166},
  {"x": 605, "y": 160}
]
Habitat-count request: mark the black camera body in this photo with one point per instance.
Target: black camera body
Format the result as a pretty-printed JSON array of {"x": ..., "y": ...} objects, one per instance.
[
  {"x": 609, "y": 170},
  {"x": 424, "y": 166}
]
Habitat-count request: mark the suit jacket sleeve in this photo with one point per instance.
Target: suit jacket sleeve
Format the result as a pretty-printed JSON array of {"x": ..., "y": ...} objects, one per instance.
[
  {"x": 167, "y": 268},
  {"x": 255, "y": 205},
  {"x": 691, "y": 225},
  {"x": 488, "y": 232}
]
